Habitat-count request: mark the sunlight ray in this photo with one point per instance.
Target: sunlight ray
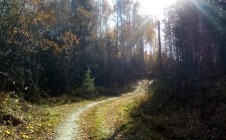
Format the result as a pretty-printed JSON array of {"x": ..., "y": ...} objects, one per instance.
[{"x": 202, "y": 6}]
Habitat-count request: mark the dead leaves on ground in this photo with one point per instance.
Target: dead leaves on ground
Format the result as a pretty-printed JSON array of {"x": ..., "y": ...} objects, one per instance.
[{"x": 33, "y": 123}]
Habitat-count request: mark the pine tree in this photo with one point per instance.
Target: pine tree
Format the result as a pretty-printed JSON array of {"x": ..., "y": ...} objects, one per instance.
[{"x": 88, "y": 88}]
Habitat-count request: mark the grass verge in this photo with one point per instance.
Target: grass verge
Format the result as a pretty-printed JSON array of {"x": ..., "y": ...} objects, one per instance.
[
  {"x": 21, "y": 120},
  {"x": 107, "y": 120}
]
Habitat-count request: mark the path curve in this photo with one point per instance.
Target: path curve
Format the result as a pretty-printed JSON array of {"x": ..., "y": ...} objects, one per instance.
[{"x": 69, "y": 128}]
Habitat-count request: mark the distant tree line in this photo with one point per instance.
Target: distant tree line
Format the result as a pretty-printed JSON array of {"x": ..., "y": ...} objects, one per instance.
[{"x": 47, "y": 45}]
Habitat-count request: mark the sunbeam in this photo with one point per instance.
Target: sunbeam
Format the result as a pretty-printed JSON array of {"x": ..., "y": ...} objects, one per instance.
[{"x": 155, "y": 8}]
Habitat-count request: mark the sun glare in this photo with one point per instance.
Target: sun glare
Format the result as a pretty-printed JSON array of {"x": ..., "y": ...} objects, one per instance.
[{"x": 155, "y": 7}]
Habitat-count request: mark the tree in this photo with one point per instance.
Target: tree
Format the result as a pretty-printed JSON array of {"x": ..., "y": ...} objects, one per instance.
[
  {"x": 88, "y": 88},
  {"x": 47, "y": 45}
]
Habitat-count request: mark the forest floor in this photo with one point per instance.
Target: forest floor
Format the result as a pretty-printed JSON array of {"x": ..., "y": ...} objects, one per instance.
[
  {"x": 100, "y": 119},
  {"x": 197, "y": 111},
  {"x": 67, "y": 118},
  {"x": 146, "y": 112}
]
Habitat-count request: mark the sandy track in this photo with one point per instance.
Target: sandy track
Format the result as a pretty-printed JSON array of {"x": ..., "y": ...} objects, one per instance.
[{"x": 69, "y": 128}]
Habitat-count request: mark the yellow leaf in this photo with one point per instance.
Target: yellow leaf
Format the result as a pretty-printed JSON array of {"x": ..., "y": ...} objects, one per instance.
[
  {"x": 31, "y": 127},
  {"x": 25, "y": 136},
  {"x": 49, "y": 124},
  {"x": 7, "y": 132}
]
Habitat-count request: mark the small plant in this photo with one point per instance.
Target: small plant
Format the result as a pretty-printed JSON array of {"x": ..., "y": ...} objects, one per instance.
[{"x": 88, "y": 88}]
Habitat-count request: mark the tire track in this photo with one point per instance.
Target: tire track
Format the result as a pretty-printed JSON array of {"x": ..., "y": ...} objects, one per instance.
[{"x": 69, "y": 128}]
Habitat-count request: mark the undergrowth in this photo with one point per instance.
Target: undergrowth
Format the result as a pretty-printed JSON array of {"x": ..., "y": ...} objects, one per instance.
[
  {"x": 195, "y": 113},
  {"x": 21, "y": 120}
]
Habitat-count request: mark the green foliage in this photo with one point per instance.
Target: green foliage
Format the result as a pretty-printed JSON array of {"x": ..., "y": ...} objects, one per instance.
[{"x": 88, "y": 88}]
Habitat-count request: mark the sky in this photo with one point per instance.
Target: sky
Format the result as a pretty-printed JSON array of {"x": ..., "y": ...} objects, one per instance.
[{"x": 155, "y": 7}]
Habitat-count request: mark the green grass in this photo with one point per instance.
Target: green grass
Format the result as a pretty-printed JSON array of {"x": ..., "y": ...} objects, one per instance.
[{"x": 105, "y": 120}]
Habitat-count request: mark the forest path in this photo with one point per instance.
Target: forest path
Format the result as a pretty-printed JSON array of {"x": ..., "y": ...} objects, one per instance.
[{"x": 80, "y": 124}]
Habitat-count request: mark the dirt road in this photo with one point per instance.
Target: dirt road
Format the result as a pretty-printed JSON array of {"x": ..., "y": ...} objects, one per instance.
[{"x": 100, "y": 119}]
